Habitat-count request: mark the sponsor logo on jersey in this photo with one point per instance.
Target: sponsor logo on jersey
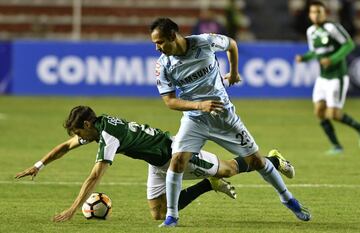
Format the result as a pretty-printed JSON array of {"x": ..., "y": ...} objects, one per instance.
[
  {"x": 196, "y": 75},
  {"x": 325, "y": 40}
]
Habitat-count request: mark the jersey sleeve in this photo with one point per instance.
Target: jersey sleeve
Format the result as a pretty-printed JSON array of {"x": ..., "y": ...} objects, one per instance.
[
  {"x": 163, "y": 81},
  {"x": 338, "y": 32},
  {"x": 217, "y": 42},
  {"x": 309, "y": 39},
  {"x": 108, "y": 146}
]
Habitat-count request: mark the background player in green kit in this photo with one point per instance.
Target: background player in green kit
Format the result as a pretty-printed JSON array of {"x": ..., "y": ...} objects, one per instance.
[
  {"x": 329, "y": 43},
  {"x": 152, "y": 145}
]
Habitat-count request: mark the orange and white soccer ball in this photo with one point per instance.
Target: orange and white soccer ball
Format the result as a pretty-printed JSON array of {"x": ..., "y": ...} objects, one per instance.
[{"x": 98, "y": 206}]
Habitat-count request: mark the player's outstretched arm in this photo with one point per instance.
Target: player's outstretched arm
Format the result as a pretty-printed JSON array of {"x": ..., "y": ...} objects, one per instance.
[
  {"x": 305, "y": 57},
  {"x": 56, "y": 153},
  {"x": 85, "y": 191},
  {"x": 232, "y": 53}
]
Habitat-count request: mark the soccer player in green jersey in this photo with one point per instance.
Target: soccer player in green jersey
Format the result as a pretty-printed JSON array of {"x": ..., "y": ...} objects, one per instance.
[
  {"x": 329, "y": 43},
  {"x": 115, "y": 135}
]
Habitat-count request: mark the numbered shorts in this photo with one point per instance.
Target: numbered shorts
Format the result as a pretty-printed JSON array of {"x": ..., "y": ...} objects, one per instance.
[
  {"x": 225, "y": 129},
  {"x": 200, "y": 166},
  {"x": 332, "y": 91}
]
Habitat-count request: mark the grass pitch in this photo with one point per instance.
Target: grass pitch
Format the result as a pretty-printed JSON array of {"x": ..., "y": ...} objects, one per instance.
[{"x": 31, "y": 126}]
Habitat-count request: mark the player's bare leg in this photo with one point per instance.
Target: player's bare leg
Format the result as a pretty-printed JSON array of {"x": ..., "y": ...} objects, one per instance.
[
  {"x": 227, "y": 168},
  {"x": 157, "y": 207}
]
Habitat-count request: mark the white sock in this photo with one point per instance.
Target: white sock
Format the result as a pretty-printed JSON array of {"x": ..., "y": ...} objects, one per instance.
[
  {"x": 272, "y": 176},
  {"x": 173, "y": 189}
]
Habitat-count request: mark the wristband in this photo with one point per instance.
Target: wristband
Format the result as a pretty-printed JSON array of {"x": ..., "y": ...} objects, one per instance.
[{"x": 39, "y": 165}]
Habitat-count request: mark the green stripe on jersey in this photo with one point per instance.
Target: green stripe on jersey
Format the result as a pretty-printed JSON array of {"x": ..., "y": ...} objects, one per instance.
[{"x": 200, "y": 162}]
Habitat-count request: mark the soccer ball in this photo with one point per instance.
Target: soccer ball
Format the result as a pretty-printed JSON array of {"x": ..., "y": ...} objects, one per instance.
[{"x": 98, "y": 206}]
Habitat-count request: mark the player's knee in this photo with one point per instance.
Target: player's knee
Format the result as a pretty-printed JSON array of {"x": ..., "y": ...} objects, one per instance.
[
  {"x": 225, "y": 172},
  {"x": 178, "y": 162},
  {"x": 330, "y": 117},
  {"x": 178, "y": 159},
  {"x": 227, "y": 168},
  {"x": 257, "y": 163},
  {"x": 319, "y": 114},
  {"x": 334, "y": 115},
  {"x": 232, "y": 168}
]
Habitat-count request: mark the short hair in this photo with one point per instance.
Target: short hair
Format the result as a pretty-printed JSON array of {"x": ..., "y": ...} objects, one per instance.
[
  {"x": 166, "y": 26},
  {"x": 77, "y": 116},
  {"x": 317, "y": 3}
]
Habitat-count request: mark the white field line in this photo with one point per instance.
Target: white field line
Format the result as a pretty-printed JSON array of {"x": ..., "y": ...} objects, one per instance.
[{"x": 144, "y": 184}]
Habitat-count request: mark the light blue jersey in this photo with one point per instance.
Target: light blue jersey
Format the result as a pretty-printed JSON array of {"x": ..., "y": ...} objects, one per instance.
[{"x": 196, "y": 74}]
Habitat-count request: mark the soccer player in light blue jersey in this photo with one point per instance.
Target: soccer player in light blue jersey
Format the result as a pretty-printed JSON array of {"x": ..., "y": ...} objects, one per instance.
[{"x": 189, "y": 65}]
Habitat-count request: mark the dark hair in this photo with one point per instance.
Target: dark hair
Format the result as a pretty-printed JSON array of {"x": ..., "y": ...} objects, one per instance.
[
  {"x": 77, "y": 116},
  {"x": 165, "y": 25},
  {"x": 317, "y": 3}
]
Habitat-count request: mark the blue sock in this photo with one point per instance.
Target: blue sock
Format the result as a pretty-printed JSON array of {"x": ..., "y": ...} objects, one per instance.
[
  {"x": 272, "y": 176},
  {"x": 173, "y": 189}
]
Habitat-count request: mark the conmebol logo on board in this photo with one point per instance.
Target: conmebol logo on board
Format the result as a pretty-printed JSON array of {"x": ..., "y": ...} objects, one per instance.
[
  {"x": 105, "y": 70},
  {"x": 91, "y": 70}
]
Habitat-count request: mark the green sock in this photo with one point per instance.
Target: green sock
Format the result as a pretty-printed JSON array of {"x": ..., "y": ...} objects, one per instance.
[
  {"x": 330, "y": 132},
  {"x": 348, "y": 120}
]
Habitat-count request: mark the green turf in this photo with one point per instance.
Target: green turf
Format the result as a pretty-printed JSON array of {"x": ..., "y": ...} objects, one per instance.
[{"x": 30, "y": 127}]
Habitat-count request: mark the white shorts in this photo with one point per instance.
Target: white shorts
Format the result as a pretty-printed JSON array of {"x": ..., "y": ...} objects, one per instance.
[
  {"x": 332, "y": 91},
  {"x": 201, "y": 165},
  {"x": 225, "y": 129}
]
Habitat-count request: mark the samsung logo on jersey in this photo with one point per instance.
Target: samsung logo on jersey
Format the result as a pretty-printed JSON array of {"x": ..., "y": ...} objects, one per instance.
[{"x": 196, "y": 75}]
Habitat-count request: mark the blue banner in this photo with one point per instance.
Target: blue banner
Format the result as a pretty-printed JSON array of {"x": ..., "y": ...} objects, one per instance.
[
  {"x": 84, "y": 68},
  {"x": 5, "y": 67},
  {"x": 269, "y": 70},
  {"x": 128, "y": 69}
]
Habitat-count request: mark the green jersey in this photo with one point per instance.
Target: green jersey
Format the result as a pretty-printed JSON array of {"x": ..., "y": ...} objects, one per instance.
[
  {"x": 329, "y": 40},
  {"x": 133, "y": 140}
]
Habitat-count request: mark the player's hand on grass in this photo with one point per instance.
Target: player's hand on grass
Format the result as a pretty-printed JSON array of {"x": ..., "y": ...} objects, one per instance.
[
  {"x": 64, "y": 216},
  {"x": 211, "y": 106},
  {"x": 31, "y": 171},
  {"x": 233, "y": 78}
]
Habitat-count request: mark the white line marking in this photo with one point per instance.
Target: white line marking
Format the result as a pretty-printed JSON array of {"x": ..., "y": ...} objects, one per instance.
[
  {"x": 302, "y": 186},
  {"x": 144, "y": 184}
]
